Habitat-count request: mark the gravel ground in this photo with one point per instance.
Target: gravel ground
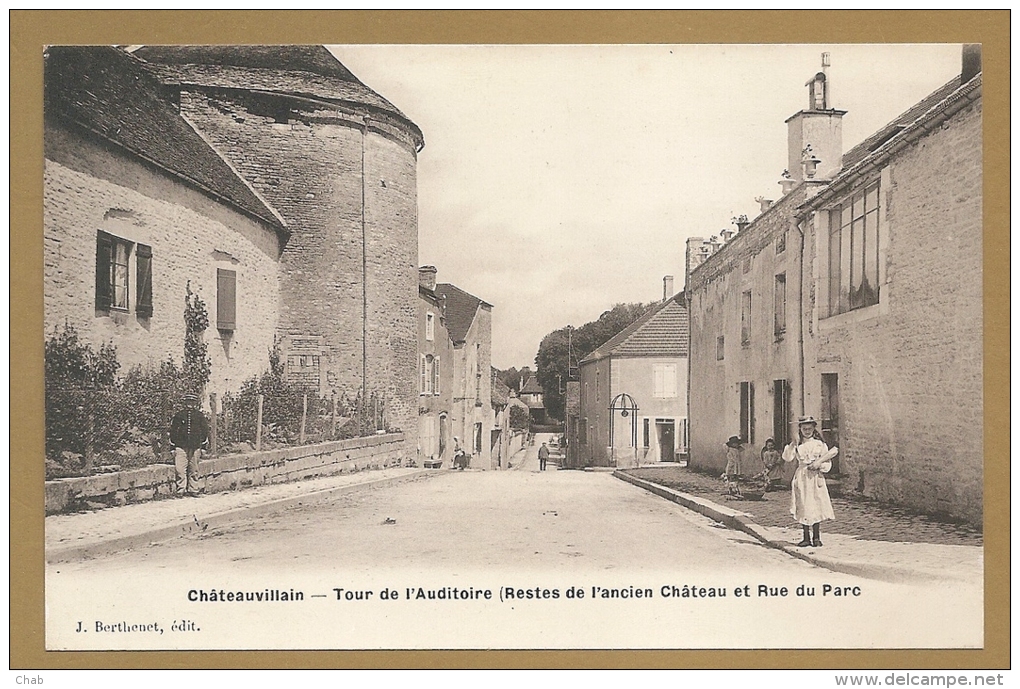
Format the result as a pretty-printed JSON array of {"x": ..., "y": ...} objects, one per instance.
[{"x": 859, "y": 517}]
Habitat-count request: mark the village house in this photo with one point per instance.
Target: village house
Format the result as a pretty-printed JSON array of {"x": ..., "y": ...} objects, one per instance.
[
  {"x": 469, "y": 320},
  {"x": 856, "y": 298},
  {"x": 138, "y": 209},
  {"x": 633, "y": 391},
  {"x": 532, "y": 395},
  {"x": 435, "y": 375},
  {"x": 269, "y": 181}
]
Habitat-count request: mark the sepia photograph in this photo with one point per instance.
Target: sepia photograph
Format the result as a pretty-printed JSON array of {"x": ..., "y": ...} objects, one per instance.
[
  {"x": 686, "y": 331},
  {"x": 451, "y": 346}
]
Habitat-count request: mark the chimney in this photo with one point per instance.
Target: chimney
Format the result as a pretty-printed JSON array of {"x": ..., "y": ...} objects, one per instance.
[
  {"x": 427, "y": 277},
  {"x": 971, "y": 62},
  {"x": 815, "y": 135},
  {"x": 667, "y": 287}
]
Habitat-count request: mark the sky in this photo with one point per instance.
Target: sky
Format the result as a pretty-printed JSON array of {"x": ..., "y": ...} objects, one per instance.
[{"x": 557, "y": 181}]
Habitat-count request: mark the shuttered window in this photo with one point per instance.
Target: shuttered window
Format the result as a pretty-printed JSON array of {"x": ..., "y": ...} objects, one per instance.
[
  {"x": 423, "y": 376},
  {"x": 104, "y": 260},
  {"x": 226, "y": 299},
  {"x": 435, "y": 376},
  {"x": 113, "y": 266},
  {"x": 143, "y": 274}
]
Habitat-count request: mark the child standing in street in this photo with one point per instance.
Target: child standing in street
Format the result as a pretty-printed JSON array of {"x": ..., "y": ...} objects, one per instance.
[{"x": 809, "y": 496}]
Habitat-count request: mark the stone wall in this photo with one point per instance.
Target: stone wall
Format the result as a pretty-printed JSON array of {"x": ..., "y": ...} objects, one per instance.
[
  {"x": 910, "y": 367},
  {"x": 88, "y": 187},
  {"x": 750, "y": 261},
  {"x": 229, "y": 472}
]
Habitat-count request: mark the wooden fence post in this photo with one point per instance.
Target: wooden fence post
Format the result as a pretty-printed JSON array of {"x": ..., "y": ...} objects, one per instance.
[
  {"x": 304, "y": 416},
  {"x": 258, "y": 427},
  {"x": 332, "y": 426},
  {"x": 212, "y": 424}
]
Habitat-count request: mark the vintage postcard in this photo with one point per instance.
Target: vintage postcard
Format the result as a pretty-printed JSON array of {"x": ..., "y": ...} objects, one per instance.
[{"x": 451, "y": 346}]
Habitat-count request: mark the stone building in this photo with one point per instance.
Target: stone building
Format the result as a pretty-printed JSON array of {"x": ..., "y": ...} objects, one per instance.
[
  {"x": 533, "y": 395},
  {"x": 269, "y": 181},
  {"x": 469, "y": 320},
  {"x": 633, "y": 392},
  {"x": 137, "y": 209},
  {"x": 337, "y": 161},
  {"x": 435, "y": 374},
  {"x": 856, "y": 298}
]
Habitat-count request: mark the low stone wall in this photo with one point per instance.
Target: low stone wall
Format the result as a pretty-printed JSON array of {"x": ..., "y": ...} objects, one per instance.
[{"x": 228, "y": 472}]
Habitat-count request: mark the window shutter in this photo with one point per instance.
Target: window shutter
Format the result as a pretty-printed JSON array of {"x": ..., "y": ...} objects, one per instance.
[
  {"x": 435, "y": 376},
  {"x": 423, "y": 374},
  {"x": 104, "y": 257},
  {"x": 226, "y": 299},
  {"x": 143, "y": 255}
]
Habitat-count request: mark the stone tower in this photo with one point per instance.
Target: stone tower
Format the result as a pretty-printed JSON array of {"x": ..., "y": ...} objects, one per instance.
[{"x": 338, "y": 163}]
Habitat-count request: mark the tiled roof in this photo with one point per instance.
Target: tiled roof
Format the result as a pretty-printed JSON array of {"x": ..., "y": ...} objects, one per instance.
[
  {"x": 300, "y": 70},
  {"x": 663, "y": 331},
  {"x": 863, "y": 149},
  {"x": 532, "y": 387},
  {"x": 460, "y": 310},
  {"x": 108, "y": 92},
  {"x": 905, "y": 129}
]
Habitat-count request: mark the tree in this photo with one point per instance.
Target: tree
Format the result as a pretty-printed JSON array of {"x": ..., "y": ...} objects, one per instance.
[
  {"x": 551, "y": 360},
  {"x": 511, "y": 378}
]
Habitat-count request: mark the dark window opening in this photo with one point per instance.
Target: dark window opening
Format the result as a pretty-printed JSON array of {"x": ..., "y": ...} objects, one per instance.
[
  {"x": 781, "y": 412},
  {"x": 779, "y": 325},
  {"x": 747, "y": 412}
]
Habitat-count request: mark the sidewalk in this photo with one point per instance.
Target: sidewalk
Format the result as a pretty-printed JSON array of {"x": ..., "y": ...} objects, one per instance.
[
  {"x": 867, "y": 539},
  {"x": 89, "y": 534}
]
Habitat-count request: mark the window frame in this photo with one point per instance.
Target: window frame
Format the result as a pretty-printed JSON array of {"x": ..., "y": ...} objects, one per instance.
[
  {"x": 745, "y": 318},
  {"x": 660, "y": 389},
  {"x": 430, "y": 326},
  {"x": 779, "y": 306},
  {"x": 123, "y": 266},
  {"x": 853, "y": 264}
]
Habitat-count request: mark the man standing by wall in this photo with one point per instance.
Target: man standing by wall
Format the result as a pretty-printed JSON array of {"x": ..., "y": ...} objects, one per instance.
[{"x": 189, "y": 431}]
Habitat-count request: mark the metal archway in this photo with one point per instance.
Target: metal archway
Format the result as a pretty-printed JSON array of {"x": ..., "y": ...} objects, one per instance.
[{"x": 626, "y": 406}]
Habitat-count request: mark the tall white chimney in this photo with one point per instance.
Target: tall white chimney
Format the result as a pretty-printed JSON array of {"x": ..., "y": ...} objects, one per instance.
[
  {"x": 667, "y": 287},
  {"x": 816, "y": 133}
]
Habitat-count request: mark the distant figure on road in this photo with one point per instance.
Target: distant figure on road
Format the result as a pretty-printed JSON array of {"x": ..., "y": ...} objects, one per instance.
[
  {"x": 459, "y": 456},
  {"x": 543, "y": 457},
  {"x": 809, "y": 496},
  {"x": 189, "y": 431}
]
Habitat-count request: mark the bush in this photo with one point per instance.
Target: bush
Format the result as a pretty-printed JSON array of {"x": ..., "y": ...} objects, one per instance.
[{"x": 85, "y": 416}]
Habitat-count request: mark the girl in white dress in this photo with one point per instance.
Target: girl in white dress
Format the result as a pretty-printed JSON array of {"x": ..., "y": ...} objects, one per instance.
[{"x": 809, "y": 497}]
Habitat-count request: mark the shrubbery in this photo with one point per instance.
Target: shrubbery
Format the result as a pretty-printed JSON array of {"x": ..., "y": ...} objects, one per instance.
[{"x": 95, "y": 417}]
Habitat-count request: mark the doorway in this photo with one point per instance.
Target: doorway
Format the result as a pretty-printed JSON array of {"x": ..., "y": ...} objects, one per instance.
[
  {"x": 830, "y": 414},
  {"x": 665, "y": 433}
]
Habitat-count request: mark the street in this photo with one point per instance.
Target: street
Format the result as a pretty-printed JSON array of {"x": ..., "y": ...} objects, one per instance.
[{"x": 522, "y": 529}]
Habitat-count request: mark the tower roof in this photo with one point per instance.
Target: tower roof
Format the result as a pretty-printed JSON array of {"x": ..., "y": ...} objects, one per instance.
[{"x": 309, "y": 71}]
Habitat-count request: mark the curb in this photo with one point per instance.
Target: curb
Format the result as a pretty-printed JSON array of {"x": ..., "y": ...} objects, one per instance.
[
  {"x": 217, "y": 519},
  {"x": 743, "y": 522}
]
